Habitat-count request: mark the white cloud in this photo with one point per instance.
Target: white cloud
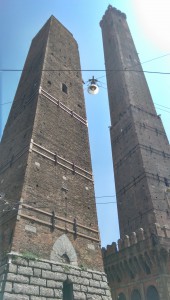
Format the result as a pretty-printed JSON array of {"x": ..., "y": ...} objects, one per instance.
[{"x": 153, "y": 16}]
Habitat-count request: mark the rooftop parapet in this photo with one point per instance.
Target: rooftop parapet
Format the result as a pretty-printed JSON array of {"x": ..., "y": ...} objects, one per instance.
[{"x": 135, "y": 237}]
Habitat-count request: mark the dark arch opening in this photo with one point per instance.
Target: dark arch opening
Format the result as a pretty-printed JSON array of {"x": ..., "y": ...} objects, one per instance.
[
  {"x": 65, "y": 258},
  {"x": 152, "y": 293},
  {"x": 121, "y": 296},
  {"x": 67, "y": 290},
  {"x": 136, "y": 295}
]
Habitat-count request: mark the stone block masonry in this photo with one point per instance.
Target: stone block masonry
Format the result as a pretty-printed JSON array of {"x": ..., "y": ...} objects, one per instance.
[{"x": 29, "y": 279}]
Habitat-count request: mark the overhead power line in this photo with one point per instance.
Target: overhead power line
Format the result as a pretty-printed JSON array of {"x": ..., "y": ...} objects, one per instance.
[
  {"x": 140, "y": 63},
  {"x": 91, "y": 70},
  {"x": 162, "y": 105},
  {"x": 155, "y": 58},
  {"x": 5, "y": 103},
  {"x": 164, "y": 110}
]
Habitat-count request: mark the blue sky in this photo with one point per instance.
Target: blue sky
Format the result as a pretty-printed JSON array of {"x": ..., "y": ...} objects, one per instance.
[{"x": 149, "y": 23}]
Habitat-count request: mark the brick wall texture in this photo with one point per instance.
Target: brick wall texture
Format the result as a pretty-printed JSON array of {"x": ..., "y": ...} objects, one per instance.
[
  {"x": 45, "y": 155},
  {"x": 140, "y": 148},
  {"x": 49, "y": 209},
  {"x": 139, "y": 268}
]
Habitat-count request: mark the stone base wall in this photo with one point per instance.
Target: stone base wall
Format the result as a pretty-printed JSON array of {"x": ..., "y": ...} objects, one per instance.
[{"x": 30, "y": 279}]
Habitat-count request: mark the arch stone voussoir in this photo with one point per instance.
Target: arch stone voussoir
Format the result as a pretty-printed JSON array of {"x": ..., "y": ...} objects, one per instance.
[{"x": 63, "y": 248}]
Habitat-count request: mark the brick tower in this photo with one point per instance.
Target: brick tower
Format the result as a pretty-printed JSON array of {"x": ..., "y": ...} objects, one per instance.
[
  {"x": 50, "y": 244},
  {"x": 141, "y": 158}
]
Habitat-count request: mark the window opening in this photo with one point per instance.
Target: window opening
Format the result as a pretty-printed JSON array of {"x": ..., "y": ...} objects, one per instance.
[
  {"x": 166, "y": 181},
  {"x": 67, "y": 290},
  {"x": 136, "y": 295},
  {"x": 65, "y": 258},
  {"x": 121, "y": 296},
  {"x": 152, "y": 293},
  {"x": 64, "y": 88}
]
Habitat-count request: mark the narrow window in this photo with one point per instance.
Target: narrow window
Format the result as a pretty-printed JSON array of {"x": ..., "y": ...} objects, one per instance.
[
  {"x": 67, "y": 290},
  {"x": 166, "y": 181},
  {"x": 64, "y": 88}
]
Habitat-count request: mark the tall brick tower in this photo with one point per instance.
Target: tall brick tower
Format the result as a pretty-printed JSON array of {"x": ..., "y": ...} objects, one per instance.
[
  {"x": 50, "y": 244},
  {"x": 141, "y": 158}
]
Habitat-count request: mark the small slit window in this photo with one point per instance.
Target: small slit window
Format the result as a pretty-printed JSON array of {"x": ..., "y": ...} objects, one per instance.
[
  {"x": 64, "y": 88},
  {"x": 67, "y": 290},
  {"x": 166, "y": 181}
]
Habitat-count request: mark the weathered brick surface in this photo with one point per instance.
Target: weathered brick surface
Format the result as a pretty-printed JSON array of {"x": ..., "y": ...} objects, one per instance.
[
  {"x": 97, "y": 277},
  {"x": 38, "y": 180},
  {"x": 37, "y": 272},
  {"x": 37, "y": 298},
  {"x": 8, "y": 287},
  {"x": 54, "y": 275},
  {"x": 138, "y": 137},
  {"x": 47, "y": 164},
  {"x": 46, "y": 292},
  {"x": 12, "y": 268},
  {"x": 141, "y": 156},
  {"x": 79, "y": 296},
  {"x": 25, "y": 270},
  {"x": 86, "y": 274},
  {"x": 40, "y": 265},
  {"x": 54, "y": 284},
  {"x": 8, "y": 296},
  {"x": 94, "y": 297},
  {"x": 38, "y": 281},
  {"x": 22, "y": 261},
  {"x": 17, "y": 278},
  {"x": 25, "y": 289}
]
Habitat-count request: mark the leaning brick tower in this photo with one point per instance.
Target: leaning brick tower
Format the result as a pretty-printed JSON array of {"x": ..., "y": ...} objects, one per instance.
[
  {"x": 50, "y": 244},
  {"x": 141, "y": 159}
]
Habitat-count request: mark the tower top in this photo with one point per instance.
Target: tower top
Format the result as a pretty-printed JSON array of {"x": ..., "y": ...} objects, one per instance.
[
  {"x": 53, "y": 18},
  {"x": 114, "y": 10},
  {"x": 54, "y": 21}
]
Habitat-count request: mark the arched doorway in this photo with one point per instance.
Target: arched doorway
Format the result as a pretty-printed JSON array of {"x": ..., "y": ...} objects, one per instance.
[
  {"x": 136, "y": 295},
  {"x": 152, "y": 293}
]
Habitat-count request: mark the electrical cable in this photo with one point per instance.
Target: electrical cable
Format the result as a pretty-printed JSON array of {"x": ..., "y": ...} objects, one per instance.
[
  {"x": 30, "y": 202},
  {"x": 17, "y": 209},
  {"x": 86, "y": 70},
  {"x": 158, "y": 57},
  {"x": 162, "y": 106},
  {"x": 100, "y": 203},
  {"x": 5, "y": 103},
  {"x": 6, "y": 70},
  {"x": 106, "y": 88},
  {"x": 91, "y": 70},
  {"x": 163, "y": 110}
]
